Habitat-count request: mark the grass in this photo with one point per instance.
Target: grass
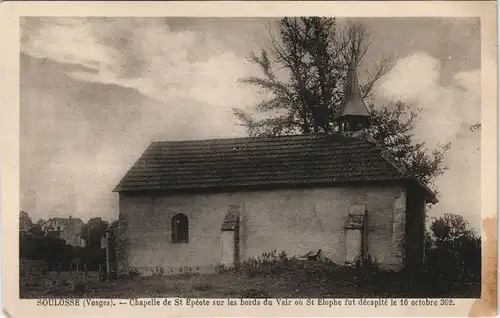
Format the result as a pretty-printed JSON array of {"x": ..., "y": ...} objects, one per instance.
[
  {"x": 233, "y": 285},
  {"x": 268, "y": 276},
  {"x": 198, "y": 286}
]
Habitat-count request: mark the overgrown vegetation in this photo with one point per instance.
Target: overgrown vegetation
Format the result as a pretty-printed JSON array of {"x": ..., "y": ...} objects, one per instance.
[
  {"x": 255, "y": 293},
  {"x": 269, "y": 263},
  {"x": 453, "y": 265},
  {"x": 309, "y": 271},
  {"x": 223, "y": 269},
  {"x": 202, "y": 286}
]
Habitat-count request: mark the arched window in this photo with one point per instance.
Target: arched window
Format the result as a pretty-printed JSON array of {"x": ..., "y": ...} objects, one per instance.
[{"x": 180, "y": 228}]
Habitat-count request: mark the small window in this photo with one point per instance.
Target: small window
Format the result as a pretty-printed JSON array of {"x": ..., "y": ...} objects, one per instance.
[{"x": 180, "y": 229}]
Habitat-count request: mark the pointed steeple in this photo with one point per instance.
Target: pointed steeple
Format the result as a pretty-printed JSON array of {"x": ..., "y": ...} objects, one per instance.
[{"x": 353, "y": 115}]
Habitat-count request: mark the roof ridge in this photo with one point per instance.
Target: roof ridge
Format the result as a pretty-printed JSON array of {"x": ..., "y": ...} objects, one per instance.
[
  {"x": 249, "y": 138},
  {"x": 62, "y": 218},
  {"x": 401, "y": 167},
  {"x": 385, "y": 153}
]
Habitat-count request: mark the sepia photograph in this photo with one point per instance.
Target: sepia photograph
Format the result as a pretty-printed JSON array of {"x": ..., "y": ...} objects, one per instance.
[
  {"x": 315, "y": 157},
  {"x": 236, "y": 157}
]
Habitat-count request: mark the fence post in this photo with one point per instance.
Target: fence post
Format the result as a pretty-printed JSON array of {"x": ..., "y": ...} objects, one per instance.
[{"x": 108, "y": 234}]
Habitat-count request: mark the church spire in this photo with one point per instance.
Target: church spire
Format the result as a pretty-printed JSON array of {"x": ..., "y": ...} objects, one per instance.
[{"x": 353, "y": 115}]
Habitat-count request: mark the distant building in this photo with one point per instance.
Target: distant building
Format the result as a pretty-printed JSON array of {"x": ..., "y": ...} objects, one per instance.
[
  {"x": 67, "y": 229},
  {"x": 25, "y": 222}
]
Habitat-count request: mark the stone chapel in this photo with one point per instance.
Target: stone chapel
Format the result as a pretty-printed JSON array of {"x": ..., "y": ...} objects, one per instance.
[{"x": 193, "y": 205}]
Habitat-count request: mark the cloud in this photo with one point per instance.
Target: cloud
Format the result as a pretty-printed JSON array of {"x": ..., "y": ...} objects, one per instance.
[
  {"x": 146, "y": 55},
  {"x": 65, "y": 40},
  {"x": 92, "y": 124},
  {"x": 446, "y": 110},
  {"x": 447, "y": 113}
]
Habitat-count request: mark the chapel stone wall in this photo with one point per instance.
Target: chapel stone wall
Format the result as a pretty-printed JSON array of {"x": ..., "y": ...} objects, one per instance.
[{"x": 296, "y": 221}]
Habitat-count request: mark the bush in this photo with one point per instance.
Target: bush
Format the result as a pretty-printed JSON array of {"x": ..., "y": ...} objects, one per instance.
[
  {"x": 54, "y": 291},
  {"x": 178, "y": 286},
  {"x": 202, "y": 287},
  {"x": 452, "y": 268},
  {"x": 448, "y": 268},
  {"x": 133, "y": 272},
  {"x": 254, "y": 293},
  {"x": 158, "y": 271},
  {"x": 270, "y": 264},
  {"x": 185, "y": 272},
  {"x": 453, "y": 256},
  {"x": 273, "y": 264},
  {"x": 367, "y": 272},
  {"x": 161, "y": 290},
  {"x": 223, "y": 269},
  {"x": 55, "y": 252},
  {"x": 78, "y": 287}
]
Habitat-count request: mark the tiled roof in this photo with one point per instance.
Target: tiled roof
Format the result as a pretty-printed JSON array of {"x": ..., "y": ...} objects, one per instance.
[
  {"x": 300, "y": 160},
  {"x": 67, "y": 221}
]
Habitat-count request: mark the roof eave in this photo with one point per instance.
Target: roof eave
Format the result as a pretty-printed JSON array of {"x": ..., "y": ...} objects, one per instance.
[
  {"x": 433, "y": 199},
  {"x": 256, "y": 186},
  {"x": 430, "y": 195}
]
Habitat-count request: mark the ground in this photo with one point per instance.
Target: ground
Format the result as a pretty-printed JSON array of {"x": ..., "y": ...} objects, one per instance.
[{"x": 227, "y": 285}]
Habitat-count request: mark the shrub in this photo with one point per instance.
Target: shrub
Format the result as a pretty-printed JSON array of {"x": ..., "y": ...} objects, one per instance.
[
  {"x": 202, "y": 286},
  {"x": 367, "y": 271},
  {"x": 159, "y": 271},
  {"x": 160, "y": 290},
  {"x": 223, "y": 269},
  {"x": 445, "y": 269},
  {"x": 270, "y": 264},
  {"x": 231, "y": 292},
  {"x": 254, "y": 293},
  {"x": 78, "y": 287},
  {"x": 184, "y": 272},
  {"x": 453, "y": 256},
  {"x": 133, "y": 272},
  {"x": 178, "y": 286},
  {"x": 53, "y": 290}
]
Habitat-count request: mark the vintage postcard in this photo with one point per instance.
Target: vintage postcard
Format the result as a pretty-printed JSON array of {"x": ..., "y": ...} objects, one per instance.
[{"x": 249, "y": 159}]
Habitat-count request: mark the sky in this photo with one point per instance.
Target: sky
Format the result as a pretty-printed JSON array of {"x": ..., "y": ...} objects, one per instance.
[{"x": 94, "y": 92}]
